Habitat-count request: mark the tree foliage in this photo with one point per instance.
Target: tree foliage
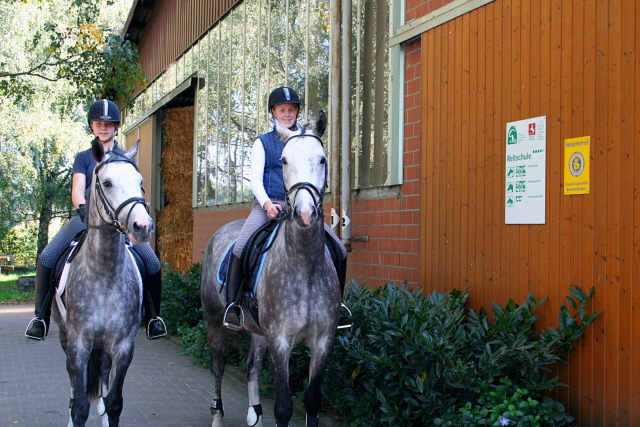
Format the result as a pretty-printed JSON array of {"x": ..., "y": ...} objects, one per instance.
[
  {"x": 36, "y": 154},
  {"x": 56, "y": 57},
  {"x": 73, "y": 42}
]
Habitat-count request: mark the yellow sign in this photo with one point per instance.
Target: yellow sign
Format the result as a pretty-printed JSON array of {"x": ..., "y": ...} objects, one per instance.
[{"x": 576, "y": 160}]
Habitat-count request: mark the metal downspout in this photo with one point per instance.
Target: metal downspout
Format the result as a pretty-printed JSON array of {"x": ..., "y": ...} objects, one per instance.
[
  {"x": 334, "y": 108},
  {"x": 345, "y": 176}
]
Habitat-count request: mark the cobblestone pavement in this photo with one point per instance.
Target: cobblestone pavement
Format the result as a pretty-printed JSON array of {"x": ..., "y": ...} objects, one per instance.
[{"x": 162, "y": 387}]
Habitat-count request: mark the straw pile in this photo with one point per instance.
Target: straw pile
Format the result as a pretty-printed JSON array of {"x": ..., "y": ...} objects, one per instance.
[{"x": 175, "y": 220}]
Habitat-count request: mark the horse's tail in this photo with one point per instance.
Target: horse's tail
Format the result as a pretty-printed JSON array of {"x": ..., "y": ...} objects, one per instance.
[{"x": 93, "y": 375}]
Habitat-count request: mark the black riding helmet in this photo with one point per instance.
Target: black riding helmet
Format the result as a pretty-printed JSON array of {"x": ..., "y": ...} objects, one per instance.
[
  {"x": 103, "y": 110},
  {"x": 283, "y": 95}
]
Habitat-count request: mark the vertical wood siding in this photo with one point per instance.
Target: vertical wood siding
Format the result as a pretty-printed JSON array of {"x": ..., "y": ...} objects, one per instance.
[
  {"x": 174, "y": 27},
  {"x": 576, "y": 62}
]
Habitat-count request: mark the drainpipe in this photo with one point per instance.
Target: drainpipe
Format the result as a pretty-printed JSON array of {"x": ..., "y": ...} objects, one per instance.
[
  {"x": 334, "y": 110},
  {"x": 345, "y": 196}
]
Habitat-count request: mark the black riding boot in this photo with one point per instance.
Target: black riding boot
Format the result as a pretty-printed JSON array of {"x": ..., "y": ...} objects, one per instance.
[
  {"x": 346, "y": 320},
  {"x": 233, "y": 316},
  {"x": 152, "y": 298},
  {"x": 38, "y": 327}
]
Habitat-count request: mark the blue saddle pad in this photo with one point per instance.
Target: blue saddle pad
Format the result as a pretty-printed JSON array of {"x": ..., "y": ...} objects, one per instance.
[{"x": 257, "y": 271}]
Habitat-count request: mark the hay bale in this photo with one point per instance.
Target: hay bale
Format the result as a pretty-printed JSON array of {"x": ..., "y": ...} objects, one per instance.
[{"x": 175, "y": 220}]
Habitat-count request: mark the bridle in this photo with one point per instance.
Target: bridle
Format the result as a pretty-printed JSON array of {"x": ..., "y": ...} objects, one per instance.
[
  {"x": 108, "y": 208},
  {"x": 316, "y": 194}
]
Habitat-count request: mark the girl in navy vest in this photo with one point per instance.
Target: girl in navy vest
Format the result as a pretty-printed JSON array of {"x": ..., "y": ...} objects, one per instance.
[{"x": 267, "y": 186}]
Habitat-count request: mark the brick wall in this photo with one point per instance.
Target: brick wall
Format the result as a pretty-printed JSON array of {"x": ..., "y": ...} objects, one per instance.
[
  {"x": 392, "y": 224},
  {"x": 417, "y": 8}
]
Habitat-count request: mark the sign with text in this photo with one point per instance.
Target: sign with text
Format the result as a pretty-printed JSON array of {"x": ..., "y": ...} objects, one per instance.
[
  {"x": 576, "y": 161},
  {"x": 526, "y": 171}
]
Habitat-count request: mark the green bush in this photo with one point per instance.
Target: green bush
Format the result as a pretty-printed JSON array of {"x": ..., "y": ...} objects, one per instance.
[
  {"x": 181, "y": 304},
  {"x": 417, "y": 361},
  {"x": 504, "y": 405},
  {"x": 21, "y": 242}
]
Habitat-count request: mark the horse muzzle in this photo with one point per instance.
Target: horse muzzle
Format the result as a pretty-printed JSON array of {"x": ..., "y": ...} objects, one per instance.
[
  {"x": 141, "y": 231},
  {"x": 305, "y": 215}
]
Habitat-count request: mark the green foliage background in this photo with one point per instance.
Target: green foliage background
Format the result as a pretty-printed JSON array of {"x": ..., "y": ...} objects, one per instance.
[{"x": 56, "y": 57}]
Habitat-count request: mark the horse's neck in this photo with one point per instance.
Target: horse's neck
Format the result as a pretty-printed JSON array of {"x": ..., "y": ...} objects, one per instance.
[{"x": 300, "y": 241}]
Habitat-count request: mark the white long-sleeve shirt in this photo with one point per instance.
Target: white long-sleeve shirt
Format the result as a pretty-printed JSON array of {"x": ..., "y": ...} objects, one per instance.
[{"x": 257, "y": 173}]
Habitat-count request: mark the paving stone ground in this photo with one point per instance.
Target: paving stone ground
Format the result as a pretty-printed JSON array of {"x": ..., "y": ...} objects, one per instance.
[{"x": 162, "y": 387}]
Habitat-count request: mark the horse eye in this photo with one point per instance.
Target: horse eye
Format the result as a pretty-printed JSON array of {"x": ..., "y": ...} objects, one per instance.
[
  {"x": 323, "y": 161},
  {"x": 106, "y": 183},
  {"x": 284, "y": 161}
]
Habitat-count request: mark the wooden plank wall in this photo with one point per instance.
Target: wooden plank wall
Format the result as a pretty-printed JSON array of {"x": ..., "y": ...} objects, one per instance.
[
  {"x": 174, "y": 27},
  {"x": 575, "y": 61}
]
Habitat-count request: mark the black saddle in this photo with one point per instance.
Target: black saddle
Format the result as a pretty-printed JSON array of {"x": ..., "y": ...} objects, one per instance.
[
  {"x": 252, "y": 253},
  {"x": 258, "y": 244},
  {"x": 70, "y": 252}
]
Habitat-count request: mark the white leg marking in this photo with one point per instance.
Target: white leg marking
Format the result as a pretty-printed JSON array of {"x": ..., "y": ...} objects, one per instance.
[
  {"x": 101, "y": 407},
  {"x": 217, "y": 420},
  {"x": 252, "y": 418}
]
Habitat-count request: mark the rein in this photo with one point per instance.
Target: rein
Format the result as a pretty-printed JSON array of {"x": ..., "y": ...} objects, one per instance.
[{"x": 108, "y": 208}]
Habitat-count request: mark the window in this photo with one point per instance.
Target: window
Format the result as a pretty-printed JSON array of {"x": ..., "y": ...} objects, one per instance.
[{"x": 263, "y": 44}]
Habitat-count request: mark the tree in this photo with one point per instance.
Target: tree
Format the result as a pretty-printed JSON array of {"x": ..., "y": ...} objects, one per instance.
[
  {"x": 54, "y": 61},
  {"x": 36, "y": 156},
  {"x": 52, "y": 42}
]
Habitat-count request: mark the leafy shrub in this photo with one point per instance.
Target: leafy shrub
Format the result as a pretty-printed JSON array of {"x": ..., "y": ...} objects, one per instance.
[
  {"x": 410, "y": 360},
  {"x": 21, "y": 242},
  {"x": 181, "y": 303},
  {"x": 416, "y": 360},
  {"x": 505, "y": 405}
]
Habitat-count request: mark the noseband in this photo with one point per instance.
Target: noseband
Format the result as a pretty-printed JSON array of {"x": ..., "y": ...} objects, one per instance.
[
  {"x": 316, "y": 195},
  {"x": 108, "y": 208}
]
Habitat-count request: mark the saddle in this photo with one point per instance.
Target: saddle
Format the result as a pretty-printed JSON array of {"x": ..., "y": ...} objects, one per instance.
[
  {"x": 70, "y": 252},
  {"x": 252, "y": 260}
]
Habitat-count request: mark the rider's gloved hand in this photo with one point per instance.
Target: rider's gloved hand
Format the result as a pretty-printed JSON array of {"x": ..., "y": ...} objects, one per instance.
[{"x": 82, "y": 211}]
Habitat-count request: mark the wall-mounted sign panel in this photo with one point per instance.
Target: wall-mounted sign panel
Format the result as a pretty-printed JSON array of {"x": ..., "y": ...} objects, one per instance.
[
  {"x": 526, "y": 171},
  {"x": 576, "y": 161}
]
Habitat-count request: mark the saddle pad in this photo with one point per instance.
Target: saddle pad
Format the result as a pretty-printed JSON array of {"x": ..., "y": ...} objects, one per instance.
[
  {"x": 257, "y": 271},
  {"x": 259, "y": 263},
  {"x": 62, "y": 283}
]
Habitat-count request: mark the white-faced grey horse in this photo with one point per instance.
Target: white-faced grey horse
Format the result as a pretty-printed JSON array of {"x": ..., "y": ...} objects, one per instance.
[
  {"x": 104, "y": 290},
  {"x": 298, "y": 292}
]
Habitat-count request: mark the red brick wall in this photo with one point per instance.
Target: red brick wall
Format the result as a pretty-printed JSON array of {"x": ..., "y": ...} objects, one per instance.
[
  {"x": 417, "y": 8},
  {"x": 392, "y": 224}
]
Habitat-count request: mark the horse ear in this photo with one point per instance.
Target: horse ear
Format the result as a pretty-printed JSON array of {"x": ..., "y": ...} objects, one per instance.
[
  {"x": 321, "y": 124},
  {"x": 97, "y": 150},
  {"x": 133, "y": 151},
  {"x": 282, "y": 130}
]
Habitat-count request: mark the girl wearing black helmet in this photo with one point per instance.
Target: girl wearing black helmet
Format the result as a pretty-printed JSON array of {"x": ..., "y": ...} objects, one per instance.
[
  {"x": 267, "y": 185},
  {"x": 103, "y": 119}
]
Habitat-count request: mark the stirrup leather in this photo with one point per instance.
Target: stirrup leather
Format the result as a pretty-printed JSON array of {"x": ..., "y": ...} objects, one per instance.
[
  {"x": 35, "y": 319},
  {"x": 233, "y": 326}
]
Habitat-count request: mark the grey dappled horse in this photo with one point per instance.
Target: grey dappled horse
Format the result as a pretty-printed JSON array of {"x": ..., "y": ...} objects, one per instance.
[
  {"x": 104, "y": 290},
  {"x": 298, "y": 292}
]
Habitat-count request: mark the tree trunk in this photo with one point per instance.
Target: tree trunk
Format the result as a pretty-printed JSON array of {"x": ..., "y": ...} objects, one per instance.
[{"x": 46, "y": 212}]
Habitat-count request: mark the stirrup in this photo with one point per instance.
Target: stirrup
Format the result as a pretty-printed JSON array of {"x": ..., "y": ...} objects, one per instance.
[
  {"x": 32, "y": 322},
  {"x": 164, "y": 327},
  {"x": 230, "y": 325},
  {"x": 350, "y": 315}
]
